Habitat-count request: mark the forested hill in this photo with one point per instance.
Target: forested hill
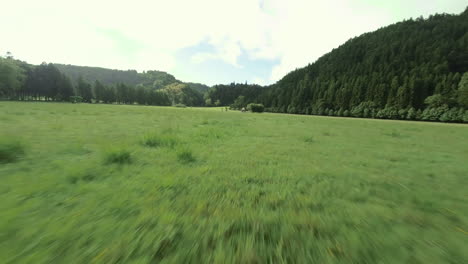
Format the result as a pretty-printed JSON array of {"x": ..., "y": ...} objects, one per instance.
[
  {"x": 151, "y": 79},
  {"x": 157, "y": 79},
  {"x": 56, "y": 82},
  {"x": 390, "y": 73}
]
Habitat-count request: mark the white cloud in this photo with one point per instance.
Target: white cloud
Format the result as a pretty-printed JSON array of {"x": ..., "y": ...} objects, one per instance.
[{"x": 149, "y": 33}]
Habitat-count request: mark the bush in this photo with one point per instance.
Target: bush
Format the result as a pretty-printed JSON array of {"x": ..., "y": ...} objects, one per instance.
[
  {"x": 402, "y": 114},
  {"x": 291, "y": 109},
  {"x": 155, "y": 140},
  {"x": 239, "y": 103},
  {"x": 434, "y": 114},
  {"x": 465, "y": 117},
  {"x": 256, "y": 108},
  {"x": 118, "y": 156},
  {"x": 76, "y": 99},
  {"x": 10, "y": 150},
  {"x": 185, "y": 156},
  {"x": 180, "y": 105},
  {"x": 452, "y": 115},
  {"x": 411, "y": 115},
  {"x": 389, "y": 112}
]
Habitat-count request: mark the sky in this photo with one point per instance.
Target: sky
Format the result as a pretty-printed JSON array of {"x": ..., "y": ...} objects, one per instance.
[{"x": 205, "y": 41}]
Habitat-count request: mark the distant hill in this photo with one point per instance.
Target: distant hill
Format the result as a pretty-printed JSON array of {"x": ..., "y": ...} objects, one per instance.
[
  {"x": 155, "y": 79},
  {"x": 198, "y": 87},
  {"x": 178, "y": 92}
]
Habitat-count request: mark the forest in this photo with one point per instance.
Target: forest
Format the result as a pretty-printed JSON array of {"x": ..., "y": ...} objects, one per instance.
[
  {"x": 55, "y": 82},
  {"x": 412, "y": 70},
  {"x": 415, "y": 69}
]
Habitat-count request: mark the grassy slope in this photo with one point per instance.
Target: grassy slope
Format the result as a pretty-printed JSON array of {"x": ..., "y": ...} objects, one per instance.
[{"x": 263, "y": 188}]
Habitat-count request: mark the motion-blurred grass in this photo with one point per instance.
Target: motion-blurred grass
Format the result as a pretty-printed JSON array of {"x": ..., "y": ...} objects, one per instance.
[{"x": 135, "y": 184}]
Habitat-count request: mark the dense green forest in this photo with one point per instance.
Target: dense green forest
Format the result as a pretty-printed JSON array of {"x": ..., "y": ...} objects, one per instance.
[
  {"x": 56, "y": 82},
  {"x": 236, "y": 95},
  {"x": 415, "y": 69},
  {"x": 149, "y": 79}
]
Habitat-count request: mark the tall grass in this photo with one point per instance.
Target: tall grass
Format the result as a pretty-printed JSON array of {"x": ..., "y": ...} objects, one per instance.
[
  {"x": 154, "y": 140},
  {"x": 11, "y": 149},
  {"x": 118, "y": 156},
  {"x": 209, "y": 186},
  {"x": 185, "y": 156}
]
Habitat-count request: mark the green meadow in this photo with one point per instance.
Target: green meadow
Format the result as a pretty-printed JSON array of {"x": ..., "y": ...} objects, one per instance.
[{"x": 83, "y": 183}]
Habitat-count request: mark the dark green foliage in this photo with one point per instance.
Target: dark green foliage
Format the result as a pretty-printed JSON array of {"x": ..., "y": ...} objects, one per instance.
[
  {"x": 185, "y": 156},
  {"x": 256, "y": 108},
  {"x": 433, "y": 114},
  {"x": 435, "y": 100},
  {"x": 10, "y": 150},
  {"x": 84, "y": 90},
  {"x": 118, "y": 156},
  {"x": 11, "y": 77},
  {"x": 46, "y": 82},
  {"x": 76, "y": 99},
  {"x": 227, "y": 94},
  {"x": 108, "y": 77},
  {"x": 384, "y": 74},
  {"x": 239, "y": 103},
  {"x": 463, "y": 91},
  {"x": 201, "y": 88}
]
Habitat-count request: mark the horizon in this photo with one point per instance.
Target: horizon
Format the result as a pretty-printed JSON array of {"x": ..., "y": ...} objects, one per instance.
[{"x": 247, "y": 41}]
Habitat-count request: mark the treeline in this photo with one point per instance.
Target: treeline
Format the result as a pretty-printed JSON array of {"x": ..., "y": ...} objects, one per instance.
[
  {"x": 414, "y": 70},
  {"x": 224, "y": 95},
  {"x": 45, "y": 82},
  {"x": 149, "y": 79},
  {"x": 152, "y": 79}
]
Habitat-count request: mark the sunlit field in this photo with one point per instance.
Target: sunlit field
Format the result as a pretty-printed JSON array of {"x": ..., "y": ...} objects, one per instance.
[{"x": 84, "y": 183}]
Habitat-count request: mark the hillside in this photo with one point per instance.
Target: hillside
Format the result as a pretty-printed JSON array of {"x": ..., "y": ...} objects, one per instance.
[
  {"x": 395, "y": 72},
  {"x": 156, "y": 79}
]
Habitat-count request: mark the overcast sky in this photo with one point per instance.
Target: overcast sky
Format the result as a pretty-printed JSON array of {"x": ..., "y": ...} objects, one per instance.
[{"x": 207, "y": 41}]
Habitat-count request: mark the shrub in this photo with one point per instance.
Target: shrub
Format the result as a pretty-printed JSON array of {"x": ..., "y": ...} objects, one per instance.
[
  {"x": 451, "y": 115},
  {"x": 411, "y": 115},
  {"x": 10, "y": 150},
  {"x": 465, "y": 117},
  {"x": 155, "y": 140},
  {"x": 185, "y": 156},
  {"x": 118, "y": 156},
  {"x": 180, "y": 105},
  {"x": 340, "y": 112},
  {"x": 291, "y": 109},
  {"x": 256, "y": 108},
  {"x": 434, "y": 114},
  {"x": 239, "y": 103},
  {"x": 76, "y": 99},
  {"x": 402, "y": 114}
]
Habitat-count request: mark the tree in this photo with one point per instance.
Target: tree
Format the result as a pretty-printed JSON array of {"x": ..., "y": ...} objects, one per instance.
[
  {"x": 463, "y": 91},
  {"x": 434, "y": 101},
  {"x": 84, "y": 90},
  {"x": 11, "y": 77},
  {"x": 239, "y": 103},
  {"x": 99, "y": 91}
]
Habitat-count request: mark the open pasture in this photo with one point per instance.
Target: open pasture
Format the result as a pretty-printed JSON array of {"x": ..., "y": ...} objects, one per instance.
[{"x": 84, "y": 183}]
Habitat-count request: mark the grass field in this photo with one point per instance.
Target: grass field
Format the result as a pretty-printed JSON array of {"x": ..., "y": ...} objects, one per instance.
[{"x": 87, "y": 183}]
